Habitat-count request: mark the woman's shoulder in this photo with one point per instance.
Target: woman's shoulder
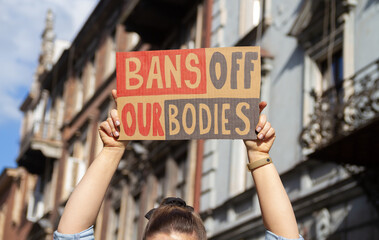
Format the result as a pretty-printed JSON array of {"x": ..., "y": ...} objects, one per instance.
[
  {"x": 88, "y": 234},
  {"x": 273, "y": 236},
  {"x": 84, "y": 235}
]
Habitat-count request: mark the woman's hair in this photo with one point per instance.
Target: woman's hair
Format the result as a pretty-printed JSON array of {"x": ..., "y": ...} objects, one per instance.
[{"x": 173, "y": 215}]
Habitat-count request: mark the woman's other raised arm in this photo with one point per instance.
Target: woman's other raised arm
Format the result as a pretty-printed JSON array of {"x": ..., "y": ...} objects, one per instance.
[{"x": 277, "y": 213}]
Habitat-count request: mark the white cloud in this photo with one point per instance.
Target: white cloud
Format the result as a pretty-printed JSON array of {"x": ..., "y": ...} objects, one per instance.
[{"x": 21, "y": 26}]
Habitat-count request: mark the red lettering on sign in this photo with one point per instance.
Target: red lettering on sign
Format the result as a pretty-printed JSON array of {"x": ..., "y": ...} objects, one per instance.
[
  {"x": 129, "y": 108},
  {"x": 152, "y": 121},
  {"x": 161, "y": 72},
  {"x": 157, "y": 127},
  {"x": 144, "y": 129}
]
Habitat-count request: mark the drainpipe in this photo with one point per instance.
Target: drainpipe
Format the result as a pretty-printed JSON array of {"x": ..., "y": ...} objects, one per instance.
[{"x": 205, "y": 42}]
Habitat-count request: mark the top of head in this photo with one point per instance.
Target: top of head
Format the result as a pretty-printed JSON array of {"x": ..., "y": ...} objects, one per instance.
[{"x": 173, "y": 220}]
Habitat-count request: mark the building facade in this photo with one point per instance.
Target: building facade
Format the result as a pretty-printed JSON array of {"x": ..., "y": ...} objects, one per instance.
[
  {"x": 16, "y": 185},
  {"x": 69, "y": 99},
  {"x": 320, "y": 79}
]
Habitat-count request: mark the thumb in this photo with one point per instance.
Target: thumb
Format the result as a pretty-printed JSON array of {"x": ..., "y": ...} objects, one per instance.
[{"x": 262, "y": 106}]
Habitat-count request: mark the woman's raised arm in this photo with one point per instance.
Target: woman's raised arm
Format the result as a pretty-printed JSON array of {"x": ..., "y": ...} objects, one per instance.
[
  {"x": 277, "y": 213},
  {"x": 84, "y": 203}
]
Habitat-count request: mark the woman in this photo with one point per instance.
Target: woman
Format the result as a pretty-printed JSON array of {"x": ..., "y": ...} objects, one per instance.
[{"x": 173, "y": 219}]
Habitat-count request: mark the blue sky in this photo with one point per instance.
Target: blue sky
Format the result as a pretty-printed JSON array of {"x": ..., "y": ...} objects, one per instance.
[{"x": 21, "y": 26}]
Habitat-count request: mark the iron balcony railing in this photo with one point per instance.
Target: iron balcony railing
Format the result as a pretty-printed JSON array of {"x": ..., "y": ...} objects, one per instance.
[{"x": 342, "y": 109}]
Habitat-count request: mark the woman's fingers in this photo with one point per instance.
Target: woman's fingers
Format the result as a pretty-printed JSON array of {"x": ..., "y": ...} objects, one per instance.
[
  {"x": 270, "y": 133},
  {"x": 261, "y": 123},
  {"x": 263, "y": 132},
  {"x": 112, "y": 126},
  {"x": 114, "y": 115},
  {"x": 114, "y": 95},
  {"x": 106, "y": 128}
]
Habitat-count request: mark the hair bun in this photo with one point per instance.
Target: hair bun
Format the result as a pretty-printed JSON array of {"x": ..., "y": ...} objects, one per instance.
[
  {"x": 170, "y": 201},
  {"x": 174, "y": 201}
]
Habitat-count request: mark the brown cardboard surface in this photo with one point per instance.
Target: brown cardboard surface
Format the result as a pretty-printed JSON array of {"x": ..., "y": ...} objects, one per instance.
[{"x": 189, "y": 94}]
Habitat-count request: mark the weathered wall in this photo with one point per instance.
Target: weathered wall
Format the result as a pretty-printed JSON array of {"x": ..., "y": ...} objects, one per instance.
[
  {"x": 366, "y": 44},
  {"x": 234, "y": 210}
]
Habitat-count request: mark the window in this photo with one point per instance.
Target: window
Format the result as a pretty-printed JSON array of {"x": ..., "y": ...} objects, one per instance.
[
  {"x": 238, "y": 180},
  {"x": 38, "y": 113},
  {"x": 324, "y": 30},
  {"x": 50, "y": 192},
  {"x": 111, "y": 49},
  {"x": 209, "y": 171},
  {"x": 104, "y": 109},
  {"x": 129, "y": 218},
  {"x": 53, "y": 128},
  {"x": 18, "y": 201},
  {"x": 332, "y": 75},
  {"x": 160, "y": 189},
  {"x": 35, "y": 205},
  {"x": 47, "y": 121},
  {"x": 250, "y": 15},
  {"x": 181, "y": 178},
  {"x": 136, "y": 218},
  {"x": 60, "y": 105},
  {"x": 115, "y": 222},
  {"x": 76, "y": 162},
  {"x": 79, "y": 93},
  {"x": 75, "y": 170},
  {"x": 84, "y": 144},
  {"x": 90, "y": 78}
]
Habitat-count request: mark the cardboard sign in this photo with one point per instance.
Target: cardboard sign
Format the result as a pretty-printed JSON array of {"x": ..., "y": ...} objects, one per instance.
[{"x": 189, "y": 94}]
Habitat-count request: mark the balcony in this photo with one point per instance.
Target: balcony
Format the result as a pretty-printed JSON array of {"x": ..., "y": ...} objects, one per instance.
[
  {"x": 38, "y": 145},
  {"x": 344, "y": 125},
  {"x": 155, "y": 20}
]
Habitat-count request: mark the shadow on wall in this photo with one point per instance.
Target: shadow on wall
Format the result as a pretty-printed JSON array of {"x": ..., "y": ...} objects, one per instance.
[
  {"x": 294, "y": 60},
  {"x": 370, "y": 3},
  {"x": 297, "y": 9}
]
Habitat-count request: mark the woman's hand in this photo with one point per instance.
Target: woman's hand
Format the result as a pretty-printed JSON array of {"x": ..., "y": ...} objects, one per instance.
[
  {"x": 109, "y": 129},
  {"x": 258, "y": 149}
]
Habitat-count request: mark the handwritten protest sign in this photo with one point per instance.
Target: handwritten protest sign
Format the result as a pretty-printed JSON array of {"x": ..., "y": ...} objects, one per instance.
[{"x": 189, "y": 93}]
